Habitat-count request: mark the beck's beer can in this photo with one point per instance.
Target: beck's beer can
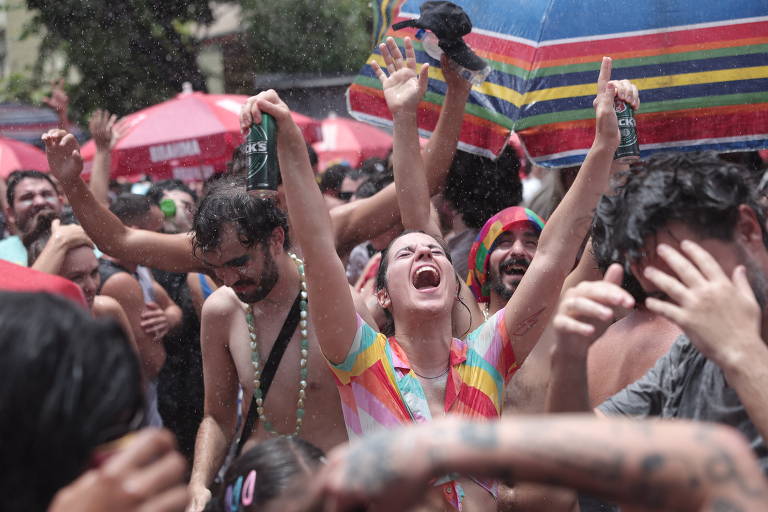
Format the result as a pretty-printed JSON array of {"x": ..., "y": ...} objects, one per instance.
[
  {"x": 261, "y": 151},
  {"x": 629, "y": 149}
]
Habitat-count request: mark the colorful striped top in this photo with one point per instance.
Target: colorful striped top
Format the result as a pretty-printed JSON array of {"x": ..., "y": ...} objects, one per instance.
[{"x": 378, "y": 388}]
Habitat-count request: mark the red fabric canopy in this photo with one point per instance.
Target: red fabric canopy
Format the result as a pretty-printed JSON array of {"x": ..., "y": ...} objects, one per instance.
[
  {"x": 350, "y": 141},
  {"x": 189, "y": 137},
  {"x": 15, "y": 155}
]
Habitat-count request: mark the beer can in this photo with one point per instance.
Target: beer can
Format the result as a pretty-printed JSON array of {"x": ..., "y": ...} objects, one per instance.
[
  {"x": 629, "y": 149},
  {"x": 261, "y": 151}
]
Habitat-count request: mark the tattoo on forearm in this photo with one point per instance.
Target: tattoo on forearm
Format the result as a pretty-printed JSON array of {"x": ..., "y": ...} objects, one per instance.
[
  {"x": 522, "y": 328},
  {"x": 725, "y": 505},
  {"x": 480, "y": 435}
]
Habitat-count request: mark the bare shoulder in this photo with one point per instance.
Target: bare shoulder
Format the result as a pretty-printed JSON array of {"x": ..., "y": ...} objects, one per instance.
[
  {"x": 222, "y": 303},
  {"x": 106, "y": 306},
  {"x": 122, "y": 286}
]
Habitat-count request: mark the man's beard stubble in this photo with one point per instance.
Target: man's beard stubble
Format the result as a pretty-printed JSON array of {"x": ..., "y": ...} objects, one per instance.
[
  {"x": 266, "y": 283},
  {"x": 497, "y": 278},
  {"x": 757, "y": 278},
  {"x": 36, "y": 222}
]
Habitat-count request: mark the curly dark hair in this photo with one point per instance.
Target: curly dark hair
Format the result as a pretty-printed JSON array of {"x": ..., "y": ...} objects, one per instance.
[
  {"x": 697, "y": 188},
  {"x": 227, "y": 202},
  {"x": 478, "y": 187}
]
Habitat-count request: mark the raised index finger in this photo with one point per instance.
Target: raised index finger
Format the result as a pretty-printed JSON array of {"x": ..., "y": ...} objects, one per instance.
[{"x": 605, "y": 74}]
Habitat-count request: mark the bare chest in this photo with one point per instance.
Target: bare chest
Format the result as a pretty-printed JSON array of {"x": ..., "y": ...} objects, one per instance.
[{"x": 319, "y": 410}]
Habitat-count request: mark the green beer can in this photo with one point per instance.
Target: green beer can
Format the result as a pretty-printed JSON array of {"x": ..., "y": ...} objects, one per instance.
[
  {"x": 261, "y": 151},
  {"x": 629, "y": 149}
]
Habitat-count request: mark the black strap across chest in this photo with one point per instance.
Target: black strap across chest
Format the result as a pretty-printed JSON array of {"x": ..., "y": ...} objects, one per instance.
[{"x": 270, "y": 367}]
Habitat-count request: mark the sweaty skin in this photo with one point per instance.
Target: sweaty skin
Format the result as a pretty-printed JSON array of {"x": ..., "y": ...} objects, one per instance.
[{"x": 627, "y": 350}]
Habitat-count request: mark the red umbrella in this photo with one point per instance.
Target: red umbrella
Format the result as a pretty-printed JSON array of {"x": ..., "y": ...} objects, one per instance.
[
  {"x": 350, "y": 141},
  {"x": 188, "y": 137},
  {"x": 15, "y": 155}
]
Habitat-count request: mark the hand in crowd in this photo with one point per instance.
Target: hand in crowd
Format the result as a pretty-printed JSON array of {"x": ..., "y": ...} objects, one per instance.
[
  {"x": 406, "y": 85},
  {"x": 101, "y": 125},
  {"x": 63, "y": 152},
  {"x": 607, "y": 127},
  {"x": 271, "y": 103},
  {"x": 146, "y": 476},
  {"x": 59, "y": 102},
  {"x": 154, "y": 321},
  {"x": 69, "y": 236},
  {"x": 453, "y": 80},
  {"x": 586, "y": 311},
  {"x": 720, "y": 314}
]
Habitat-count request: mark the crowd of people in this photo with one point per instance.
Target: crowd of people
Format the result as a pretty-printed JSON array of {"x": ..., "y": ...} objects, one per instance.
[{"x": 415, "y": 334}]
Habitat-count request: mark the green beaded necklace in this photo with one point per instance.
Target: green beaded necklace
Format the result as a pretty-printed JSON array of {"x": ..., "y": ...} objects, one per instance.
[{"x": 303, "y": 361}]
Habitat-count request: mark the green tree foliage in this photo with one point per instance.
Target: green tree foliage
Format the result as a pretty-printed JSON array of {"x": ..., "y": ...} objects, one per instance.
[
  {"x": 128, "y": 53},
  {"x": 308, "y": 36}
]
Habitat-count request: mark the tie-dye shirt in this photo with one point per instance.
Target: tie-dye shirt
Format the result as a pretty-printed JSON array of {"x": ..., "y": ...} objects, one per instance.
[{"x": 379, "y": 390}]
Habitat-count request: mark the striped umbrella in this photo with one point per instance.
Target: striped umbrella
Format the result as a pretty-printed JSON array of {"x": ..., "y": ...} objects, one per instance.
[{"x": 702, "y": 68}]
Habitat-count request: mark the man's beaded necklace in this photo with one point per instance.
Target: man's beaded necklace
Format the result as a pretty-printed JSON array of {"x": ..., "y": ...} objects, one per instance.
[{"x": 303, "y": 361}]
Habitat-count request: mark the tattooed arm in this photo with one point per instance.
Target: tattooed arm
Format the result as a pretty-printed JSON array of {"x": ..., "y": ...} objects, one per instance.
[
  {"x": 527, "y": 313},
  {"x": 678, "y": 466}
]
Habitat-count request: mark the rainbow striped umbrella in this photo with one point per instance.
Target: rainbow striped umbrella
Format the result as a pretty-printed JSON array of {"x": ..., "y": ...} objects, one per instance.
[{"x": 702, "y": 68}]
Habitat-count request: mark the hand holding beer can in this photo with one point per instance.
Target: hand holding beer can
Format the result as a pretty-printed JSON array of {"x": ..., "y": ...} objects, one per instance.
[
  {"x": 629, "y": 149},
  {"x": 261, "y": 151}
]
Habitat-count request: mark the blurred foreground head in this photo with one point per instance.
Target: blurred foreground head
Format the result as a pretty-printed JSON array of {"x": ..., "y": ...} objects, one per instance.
[{"x": 70, "y": 384}]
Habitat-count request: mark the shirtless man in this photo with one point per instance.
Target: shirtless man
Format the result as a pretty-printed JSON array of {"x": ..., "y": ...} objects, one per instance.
[{"x": 226, "y": 353}]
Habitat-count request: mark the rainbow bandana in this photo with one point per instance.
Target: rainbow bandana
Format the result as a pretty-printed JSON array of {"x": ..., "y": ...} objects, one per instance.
[{"x": 480, "y": 252}]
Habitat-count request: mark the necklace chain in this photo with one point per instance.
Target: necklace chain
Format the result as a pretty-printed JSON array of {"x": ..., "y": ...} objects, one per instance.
[
  {"x": 303, "y": 361},
  {"x": 432, "y": 378}
]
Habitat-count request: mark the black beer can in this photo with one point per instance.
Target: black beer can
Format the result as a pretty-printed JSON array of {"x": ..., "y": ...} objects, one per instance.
[
  {"x": 629, "y": 149},
  {"x": 261, "y": 151}
]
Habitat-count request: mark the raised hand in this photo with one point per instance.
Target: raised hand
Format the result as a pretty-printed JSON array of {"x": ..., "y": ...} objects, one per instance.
[
  {"x": 63, "y": 152},
  {"x": 586, "y": 311},
  {"x": 719, "y": 313},
  {"x": 405, "y": 86},
  {"x": 100, "y": 125},
  {"x": 69, "y": 236},
  {"x": 607, "y": 127},
  {"x": 272, "y": 104},
  {"x": 59, "y": 101}
]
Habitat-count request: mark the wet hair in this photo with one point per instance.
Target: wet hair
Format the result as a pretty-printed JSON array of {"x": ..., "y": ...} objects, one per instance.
[
  {"x": 374, "y": 166},
  {"x": 478, "y": 187},
  {"x": 70, "y": 383},
  {"x": 15, "y": 178},
  {"x": 374, "y": 184},
  {"x": 227, "y": 202},
  {"x": 156, "y": 192},
  {"x": 130, "y": 208},
  {"x": 264, "y": 472},
  {"x": 698, "y": 189},
  {"x": 332, "y": 178}
]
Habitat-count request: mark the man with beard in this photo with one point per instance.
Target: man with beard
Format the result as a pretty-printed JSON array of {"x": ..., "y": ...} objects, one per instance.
[
  {"x": 691, "y": 229},
  {"x": 31, "y": 195},
  {"x": 501, "y": 254},
  {"x": 237, "y": 246}
]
